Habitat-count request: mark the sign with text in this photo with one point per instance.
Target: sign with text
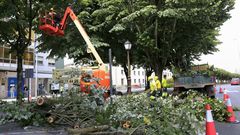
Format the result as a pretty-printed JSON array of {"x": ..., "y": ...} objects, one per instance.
[{"x": 29, "y": 73}]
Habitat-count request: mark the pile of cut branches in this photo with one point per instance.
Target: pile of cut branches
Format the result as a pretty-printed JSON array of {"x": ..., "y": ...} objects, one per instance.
[
  {"x": 131, "y": 114},
  {"x": 75, "y": 111}
]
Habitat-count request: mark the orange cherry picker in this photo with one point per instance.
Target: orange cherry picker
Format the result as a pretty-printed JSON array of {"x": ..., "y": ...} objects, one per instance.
[{"x": 49, "y": 26}]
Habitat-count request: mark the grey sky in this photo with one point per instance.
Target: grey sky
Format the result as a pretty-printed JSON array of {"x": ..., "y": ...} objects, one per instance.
[{"x": 228, "y": 56}]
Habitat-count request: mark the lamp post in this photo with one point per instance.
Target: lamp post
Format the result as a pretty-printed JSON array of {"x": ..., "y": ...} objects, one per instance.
[{"x": 128, "y": 46}]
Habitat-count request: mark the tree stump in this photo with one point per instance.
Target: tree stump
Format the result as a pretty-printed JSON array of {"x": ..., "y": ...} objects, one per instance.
[
  {"x": 51, "y": 119},
  {"x": 41, "y": 101}
]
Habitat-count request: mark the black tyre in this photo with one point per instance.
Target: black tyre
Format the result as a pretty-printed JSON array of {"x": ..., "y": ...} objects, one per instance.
[{"x": 210, "y": 91}]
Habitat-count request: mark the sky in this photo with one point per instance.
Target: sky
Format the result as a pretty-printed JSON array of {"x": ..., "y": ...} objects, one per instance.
[{"x": 228, "y": 56}]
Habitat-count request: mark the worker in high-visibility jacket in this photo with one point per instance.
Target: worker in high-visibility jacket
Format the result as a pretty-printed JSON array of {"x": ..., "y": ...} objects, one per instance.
[
  {"x": 158, "y": 85},
  {"x": 153, "y": 87},
  {"x": 164, "y": 86}
]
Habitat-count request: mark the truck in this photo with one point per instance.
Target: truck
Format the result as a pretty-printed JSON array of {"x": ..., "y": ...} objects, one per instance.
[
  {"x": 85, "y": 76},
  {"x": 202, "y": 80}
]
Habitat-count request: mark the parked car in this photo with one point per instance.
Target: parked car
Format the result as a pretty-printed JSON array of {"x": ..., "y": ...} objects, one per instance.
[{"x": 235, "y": 81}]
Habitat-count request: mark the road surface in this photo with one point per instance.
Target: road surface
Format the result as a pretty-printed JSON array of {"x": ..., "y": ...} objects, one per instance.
[{"x": 225, "y": 128}]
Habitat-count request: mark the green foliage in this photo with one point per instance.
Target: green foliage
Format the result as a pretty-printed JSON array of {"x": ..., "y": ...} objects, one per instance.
[
  {"x": 170, "y": 83},
  {"x": 178, "y": 31},
  {"x": 222, "y": 74},
  {"x": 21, "y": 114},
  {"x": 197, "y": 101},
  {"x": 86, "y": 107},
  {"x": 2, "y": 102},
  {"x": 169, "y": 115},
  {"x": 163, "y": 33},
  {"x": 102, "y": 116},
  {"x": 164, "y": 117}
]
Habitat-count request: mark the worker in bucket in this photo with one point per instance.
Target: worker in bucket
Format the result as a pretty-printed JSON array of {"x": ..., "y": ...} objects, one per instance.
[{"x": 56, "y": 17}]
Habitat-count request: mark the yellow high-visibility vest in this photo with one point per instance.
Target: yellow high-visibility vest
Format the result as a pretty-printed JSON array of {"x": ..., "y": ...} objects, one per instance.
[
  {"x": 164, "y": 83},
  {"x": 158, "y": 84},
  {"x": 153, "y": 86}
]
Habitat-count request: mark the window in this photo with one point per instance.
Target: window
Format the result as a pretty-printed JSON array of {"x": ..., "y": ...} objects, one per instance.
[
  {"x": 138, "y": 72},
  {"x": 122, "y": 72},
  {"x": 134, "y": 72},
  {"x": 13, "y": 57},
  {"x": 142, "y": 72},
  {"x": 1, "y": 54},
  {"x": 134, "y": 80},
  {"x": 40, "y": 60},
  {"x": 122, "y": 81},
  {"x": 51, "y": 62},
  {"x": 28, "y": 58},
  {"x": 139, "y": 80},
  {"x": 6, "y": 55},
  {"x": 30, "y": 50},
  {"x": 143, "y": 81}
]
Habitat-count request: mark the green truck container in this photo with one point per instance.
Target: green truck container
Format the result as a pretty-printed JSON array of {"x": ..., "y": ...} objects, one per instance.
[{"x": 202, "y": 82}]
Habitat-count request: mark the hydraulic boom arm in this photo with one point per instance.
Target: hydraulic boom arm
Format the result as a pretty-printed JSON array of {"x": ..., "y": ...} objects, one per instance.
[{"x": 69, "y": 12}]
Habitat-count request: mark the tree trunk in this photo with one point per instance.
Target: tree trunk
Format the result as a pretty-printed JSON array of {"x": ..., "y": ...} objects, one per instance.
[
  {"x": 158, "y": 71},
  {"x": 148, "y": 73},
  {"x": 19, "y": 76}
]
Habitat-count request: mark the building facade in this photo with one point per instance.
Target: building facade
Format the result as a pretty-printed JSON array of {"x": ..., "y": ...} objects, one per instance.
[
  {"x": 42, "y": 71},
  {"x": 138, "y": 76}
]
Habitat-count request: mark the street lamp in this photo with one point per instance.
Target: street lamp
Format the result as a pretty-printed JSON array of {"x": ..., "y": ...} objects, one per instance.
[{"x": 128, "y": 46}]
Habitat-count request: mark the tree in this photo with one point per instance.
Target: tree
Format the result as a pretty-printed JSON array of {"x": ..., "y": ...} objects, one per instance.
[
  {"x": 16, "y": 25},
  {"x": 224, "y": 75},
  {"x": 72, "y": 42},
  {"x": 17, "y": 20},
  {"x": 163, "y": 33}
]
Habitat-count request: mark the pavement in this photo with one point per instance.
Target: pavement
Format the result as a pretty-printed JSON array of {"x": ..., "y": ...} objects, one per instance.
[
  {"x": 15, "y": 129},
  {"x": 25, "y": 99}
]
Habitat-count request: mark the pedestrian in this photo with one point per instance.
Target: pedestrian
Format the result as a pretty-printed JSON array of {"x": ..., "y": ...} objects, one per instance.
[
  {"x": 12, "y": 90},
  {"x": 61, "y": 90},
  {"x": 164, "y": 85},
  {"x": 25, "y": 88}
]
